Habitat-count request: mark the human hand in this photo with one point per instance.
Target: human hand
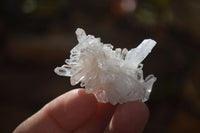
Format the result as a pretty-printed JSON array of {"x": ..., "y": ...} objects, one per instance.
[{"x": 78, "y": 112}]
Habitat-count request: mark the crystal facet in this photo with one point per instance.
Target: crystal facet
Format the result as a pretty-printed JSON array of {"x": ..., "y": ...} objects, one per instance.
[{"x": 114, "y": 76}]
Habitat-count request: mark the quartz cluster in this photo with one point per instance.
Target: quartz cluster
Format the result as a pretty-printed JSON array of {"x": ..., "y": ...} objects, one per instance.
[{"x": 113, "y": 76}]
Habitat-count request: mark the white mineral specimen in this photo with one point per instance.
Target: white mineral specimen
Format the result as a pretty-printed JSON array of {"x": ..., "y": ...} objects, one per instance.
[{"x": 114, "y": 76}]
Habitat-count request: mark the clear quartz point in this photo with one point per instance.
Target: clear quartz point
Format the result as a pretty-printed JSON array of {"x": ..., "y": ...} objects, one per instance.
[
  {"x": 63, "y": 71},
  {"x": 114, "y": 76},
  {"x": 137, "y": 55}
]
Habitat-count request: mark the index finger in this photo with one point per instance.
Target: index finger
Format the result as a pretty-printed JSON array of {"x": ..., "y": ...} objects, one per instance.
[{"x": 64, "y": 114}]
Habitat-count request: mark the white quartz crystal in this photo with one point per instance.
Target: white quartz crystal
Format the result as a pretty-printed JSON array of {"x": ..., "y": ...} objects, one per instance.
[{"x": 114, "y": 76}]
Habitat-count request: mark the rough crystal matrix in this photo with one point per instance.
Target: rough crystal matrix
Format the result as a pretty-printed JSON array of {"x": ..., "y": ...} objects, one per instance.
[{"x": 114, "y": 76}]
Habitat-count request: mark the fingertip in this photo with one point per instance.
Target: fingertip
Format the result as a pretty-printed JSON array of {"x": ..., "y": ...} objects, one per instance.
[{"x": 130, "y": 117}]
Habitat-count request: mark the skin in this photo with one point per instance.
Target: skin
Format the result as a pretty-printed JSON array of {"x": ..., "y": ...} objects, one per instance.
[{"x": 78, "y": 112}]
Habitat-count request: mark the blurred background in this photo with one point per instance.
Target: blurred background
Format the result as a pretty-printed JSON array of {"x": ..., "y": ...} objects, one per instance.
[{"x": 37, "y": 35}]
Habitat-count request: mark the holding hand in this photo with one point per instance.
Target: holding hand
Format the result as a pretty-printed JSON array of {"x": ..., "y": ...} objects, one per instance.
[{"x": 78, "y": 112}]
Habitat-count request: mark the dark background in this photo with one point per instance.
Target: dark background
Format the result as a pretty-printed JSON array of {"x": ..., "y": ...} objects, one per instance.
[{"x": 37, "y": 35}]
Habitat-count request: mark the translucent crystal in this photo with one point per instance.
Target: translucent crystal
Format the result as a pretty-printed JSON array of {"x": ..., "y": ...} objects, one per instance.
[{"x": 113, "y": 76}]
